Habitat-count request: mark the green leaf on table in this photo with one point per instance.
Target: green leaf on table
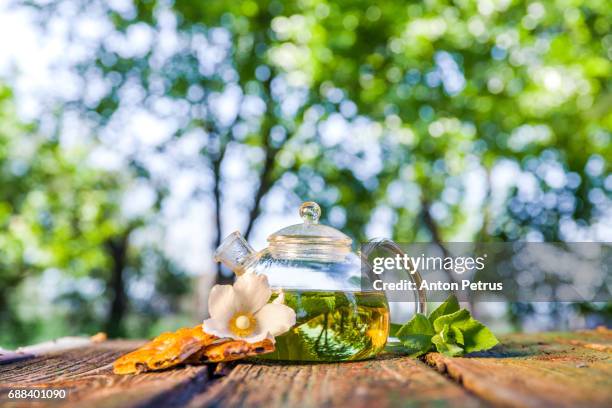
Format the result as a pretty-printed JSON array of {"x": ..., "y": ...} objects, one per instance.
[
  {"x": 394, "y": 328},
  {"x": 450, "y": 305},
  {"x": 451, "y": 330},
  {"x": 449, "y": 349},
  {"x": 416, "y": 335},
  {"x": 460, "y": 327},
  {"x": 458, "y": 336},
  {"x": 419, "y": 324},
  {"x": 460, "y": 317},
  {"x": 447, "y": 335},
  {"x": 478, "y": 338}
]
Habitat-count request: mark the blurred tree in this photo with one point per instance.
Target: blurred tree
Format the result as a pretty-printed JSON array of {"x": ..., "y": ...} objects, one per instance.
[
  {"x": 456, "y": 86},
  {"x": 520, "y": 91},
  {"x": 59, "y": 213},
  {"x": 464, "y": 86},
  {"x": 445, "y": 120},
  {"x": 222, "y": 55}
]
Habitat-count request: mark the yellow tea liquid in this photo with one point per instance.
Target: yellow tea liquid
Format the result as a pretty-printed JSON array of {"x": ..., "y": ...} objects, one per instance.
[{"x": 333, "y": 326}]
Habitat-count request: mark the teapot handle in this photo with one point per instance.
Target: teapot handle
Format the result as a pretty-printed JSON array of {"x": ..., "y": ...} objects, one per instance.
[{"x": 420, "y": 299}]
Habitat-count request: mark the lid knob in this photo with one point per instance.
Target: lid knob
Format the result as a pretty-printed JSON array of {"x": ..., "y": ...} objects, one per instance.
[
  {"x": 310, "y": 212},
  {"x": 308, "y": 233}
]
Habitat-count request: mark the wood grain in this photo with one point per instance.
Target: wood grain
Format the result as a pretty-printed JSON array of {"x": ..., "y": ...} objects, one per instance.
[
  {"x": 538, "y": 370},
  {"x": 535, "y": 370},
  {"x": 86, "y": 374},
  {"x": 386, "y": 382}
]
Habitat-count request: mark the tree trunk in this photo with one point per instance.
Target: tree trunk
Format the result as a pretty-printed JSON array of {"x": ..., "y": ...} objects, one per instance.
[
  {"x": 265, "y": 183},
  {"x": 266, "y": 178},
  {"x": 117, "y": 248},
  {"x": 431, "y": 225},
  {"x": 221, "y": 278}
]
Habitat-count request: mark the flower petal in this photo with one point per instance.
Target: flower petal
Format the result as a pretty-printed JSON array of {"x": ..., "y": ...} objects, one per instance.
[
  {"x": 223, "y": 302},
  {"x": 257, "y": 336},
  {"x": 275, "y": 319},
  {"x": 220, "y": 329},
  {"x": 253, "y": 291},
  {"x": 280, "y": 299},
  {"x": 217, "y": 328}
]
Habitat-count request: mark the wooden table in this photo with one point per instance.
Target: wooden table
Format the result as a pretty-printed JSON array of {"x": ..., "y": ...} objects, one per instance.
[{"x": 526, "y": 370}]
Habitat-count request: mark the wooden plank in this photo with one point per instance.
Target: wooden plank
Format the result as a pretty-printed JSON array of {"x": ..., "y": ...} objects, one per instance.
[
  {"x": 385, "y": 382},
  {"x": 10, "y": 356},
  {"x": 549, "y": 370},
  {"x": 86, "y": 375},
  {"x": 538, "y": 370}
]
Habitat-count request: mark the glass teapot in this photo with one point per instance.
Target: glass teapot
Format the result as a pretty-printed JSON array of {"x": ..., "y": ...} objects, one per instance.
[{"x": 320, "y": 276}]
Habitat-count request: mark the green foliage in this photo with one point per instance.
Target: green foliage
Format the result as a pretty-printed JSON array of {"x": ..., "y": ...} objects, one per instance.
[
  {"x": 416, "y": 335},
  {"x": 333, "y": 326},
  {"x": 430, "y": 91},
  {"x": 449, "y": 85},
  {"x": 460, "y": 330},
  {"x": 448, "y": 329},
  {"x": 60, "y": 219},
  {"x": 56, "y": 212},
  {"x": 451, "y": 305}
]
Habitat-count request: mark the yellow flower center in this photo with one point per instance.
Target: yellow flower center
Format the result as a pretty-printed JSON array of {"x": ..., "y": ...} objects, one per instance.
[{"x": 242, "y": 324}]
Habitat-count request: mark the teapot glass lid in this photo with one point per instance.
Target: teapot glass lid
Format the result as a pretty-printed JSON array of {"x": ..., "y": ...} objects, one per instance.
[{"x": 310, "y": 231}]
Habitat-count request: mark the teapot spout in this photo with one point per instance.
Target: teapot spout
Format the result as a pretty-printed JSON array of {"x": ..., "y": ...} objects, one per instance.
[{"x": 234, "y": 252}]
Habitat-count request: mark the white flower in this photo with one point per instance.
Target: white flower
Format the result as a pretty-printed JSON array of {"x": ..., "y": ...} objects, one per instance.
[{"x": 242, "y": 311}]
